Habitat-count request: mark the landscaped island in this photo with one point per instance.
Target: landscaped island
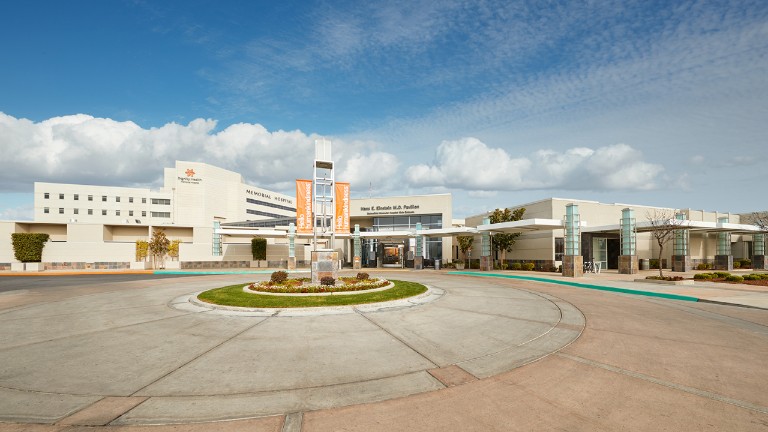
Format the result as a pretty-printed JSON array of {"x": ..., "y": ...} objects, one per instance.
[{"x": 236, "y": 295}]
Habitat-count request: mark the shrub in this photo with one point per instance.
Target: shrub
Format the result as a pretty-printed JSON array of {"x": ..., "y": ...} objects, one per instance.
[
  {"x": 259, "y": 248},
  {"x": 751, "y": 277},
  {"x": 721, "y": 275},
  {"x": 173, "y": 248},
  {"x": 745, "y": 263},
  {"x": 517, "y": 266},
  {"x": 327, "y": 281},
  {"x": 529, "y": 266},
  {"x": 654, "y": 264},
  {"x": 736, "y": 264},
  {"x": 734, "y": 278},
  {"x": 703, "y": 276},
  {"x": 363, "y": 276},
  {"x": 279, "y": 277},
  {"x": 142, "y": 250},
  {"x": 703, "y": 266},
  {"x": 28, "y": 247}
]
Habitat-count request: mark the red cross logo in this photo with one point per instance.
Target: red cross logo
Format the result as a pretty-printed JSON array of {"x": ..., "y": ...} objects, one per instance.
[{"x": 190, "y": 172}]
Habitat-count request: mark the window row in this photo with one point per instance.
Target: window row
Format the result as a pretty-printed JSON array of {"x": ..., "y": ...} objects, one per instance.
[
  {"x": 76, "y": 197},
  {"x": 47, "y": 210},
  {"x": 261, "y": 213},
  {"x": 269, "y": 204}
]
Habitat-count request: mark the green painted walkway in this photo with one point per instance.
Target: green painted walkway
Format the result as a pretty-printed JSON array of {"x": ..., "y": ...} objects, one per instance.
[{"x": 580, "y": 285}]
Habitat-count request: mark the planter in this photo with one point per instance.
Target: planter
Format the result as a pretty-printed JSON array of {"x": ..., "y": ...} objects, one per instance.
[
  {"x": 664, "y": 282},
  {"x": 139, "y": 265},
  {"x": 173, "y": 265},
  {"x": 34, "y": 267},
  {"x": 459, "y": 266},
  {"x": 17, "y": 266}
]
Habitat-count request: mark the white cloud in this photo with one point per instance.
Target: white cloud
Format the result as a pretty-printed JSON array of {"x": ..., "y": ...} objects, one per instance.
[
  {"x": 26, "y": 212},
  {"x": 470, "y": 164},
  {"x": 378, "y": 168},
  {"x": 83, "y": 149}
]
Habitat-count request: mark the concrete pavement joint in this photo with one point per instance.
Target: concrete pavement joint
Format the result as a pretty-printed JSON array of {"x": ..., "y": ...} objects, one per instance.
[
  {"x": 648, "y": 378},
  {"x": 96, "y": 331},
  {"x": 399, "y": 339},
  {"x": 200, "y": 355}
]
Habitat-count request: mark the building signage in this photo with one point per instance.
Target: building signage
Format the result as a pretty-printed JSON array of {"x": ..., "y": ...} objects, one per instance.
[
  {"x": 393, "y": 209},
  {"x": 304, "y": 222},
  {"x": 342, "y": 207},
  {"x": 268, "y": 196},
  {"x": 190, "y": 177}
]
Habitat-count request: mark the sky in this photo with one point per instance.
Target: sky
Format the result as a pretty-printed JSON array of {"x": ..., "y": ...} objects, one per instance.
[{"x": 659, "y": 103}]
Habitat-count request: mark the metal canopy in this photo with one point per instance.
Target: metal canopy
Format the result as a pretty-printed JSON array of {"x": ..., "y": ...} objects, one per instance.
[
  {"x": 694, "y": 226},
  {"x": 525, "y": 225}
]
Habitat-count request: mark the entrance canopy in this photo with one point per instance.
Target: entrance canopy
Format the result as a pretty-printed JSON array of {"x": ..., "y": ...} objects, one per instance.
[
  {"x": 525, "y": 225},
  {"x": 693, "y": 226}
]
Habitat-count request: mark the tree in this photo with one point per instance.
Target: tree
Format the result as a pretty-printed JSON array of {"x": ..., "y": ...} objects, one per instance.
[
  {"x": 663, "y": 228},
  {"x": 760, "y": 219},
  {"x": 259, "y": 248},
  {"x": 465, "y": 243},
  {"x": 158, "y": 246},
  {"x": 504, "y": 242}
]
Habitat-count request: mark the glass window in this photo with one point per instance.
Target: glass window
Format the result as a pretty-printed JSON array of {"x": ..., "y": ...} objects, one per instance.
[
  {"x": 143, "y": 200},
  {"x": 103, "y": 212},
  {"x": 559, "y": 248},
  {"x": 46, "y": 210},
  {"x": 61, "y": 210},
  {"x": 104, "y": 198},
  {"x": 130, "y": 212},
  {"x": 90, "y": 211},
  {"x": 117, "y": 212},
  {"x": 90, "y": 197},
  {"x": 61, "y": 196},
  {"x": 117, "y": 199},
  {"x": 76, "y": 211},
  {"x": 143, "y": 213},
  {"x": 77, "y": 197},
  {"x": 46, "y": 195},
  {"x": 130, "y": 199}
]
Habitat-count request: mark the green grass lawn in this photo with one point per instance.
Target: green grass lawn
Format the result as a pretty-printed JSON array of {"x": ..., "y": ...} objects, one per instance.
[{"x": 235, "y": 296}]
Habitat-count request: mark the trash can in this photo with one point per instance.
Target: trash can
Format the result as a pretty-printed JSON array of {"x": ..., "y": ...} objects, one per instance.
[
  {"x": 437, "y": 264},
  {"x": 645, "y": 264}
]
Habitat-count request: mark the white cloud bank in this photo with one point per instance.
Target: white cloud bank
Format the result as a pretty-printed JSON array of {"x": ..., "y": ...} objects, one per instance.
[
  {"x": 470, "y": 164},
  {"x": 83, "y": 149}
]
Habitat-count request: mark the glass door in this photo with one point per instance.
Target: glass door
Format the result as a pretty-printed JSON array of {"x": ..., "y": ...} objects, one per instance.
[{"x": 600, "y": 252}]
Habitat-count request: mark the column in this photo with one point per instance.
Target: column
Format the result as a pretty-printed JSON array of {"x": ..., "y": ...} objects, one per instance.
[
  {"x": 681, "y": 255},
  {"x": 486, "y": 263},
  {"x": 628, "y": 257},
  {"x": 573, "y": 262},
  {"x": 723, "y": 257},
  {"x": 291, "y": 246},
  {"x": 418, "y": 258},
  {"x": 759, "y": 260},
  {"x": 356, "y": 264}
]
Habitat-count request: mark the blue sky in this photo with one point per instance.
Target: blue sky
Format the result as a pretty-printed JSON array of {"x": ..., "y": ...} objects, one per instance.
[{"x": 655, "y": 103}]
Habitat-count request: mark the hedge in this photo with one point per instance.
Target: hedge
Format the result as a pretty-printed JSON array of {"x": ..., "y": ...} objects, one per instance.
[
  {"x": 259, "y": 248},
  {"x": 28, "y": 247}
]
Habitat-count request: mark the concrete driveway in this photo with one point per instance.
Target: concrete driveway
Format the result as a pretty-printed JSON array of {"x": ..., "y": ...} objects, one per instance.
[{"x": 487, "y": 354}]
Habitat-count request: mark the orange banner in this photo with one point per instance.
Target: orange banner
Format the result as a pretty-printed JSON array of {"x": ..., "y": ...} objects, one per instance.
[
  {"x": 304, "y": 222},
  {"x": 342, "y": 207}
]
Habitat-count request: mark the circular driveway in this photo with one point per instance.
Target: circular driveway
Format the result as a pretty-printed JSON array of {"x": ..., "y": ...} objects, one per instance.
[{"x": 136, "y": 353}]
